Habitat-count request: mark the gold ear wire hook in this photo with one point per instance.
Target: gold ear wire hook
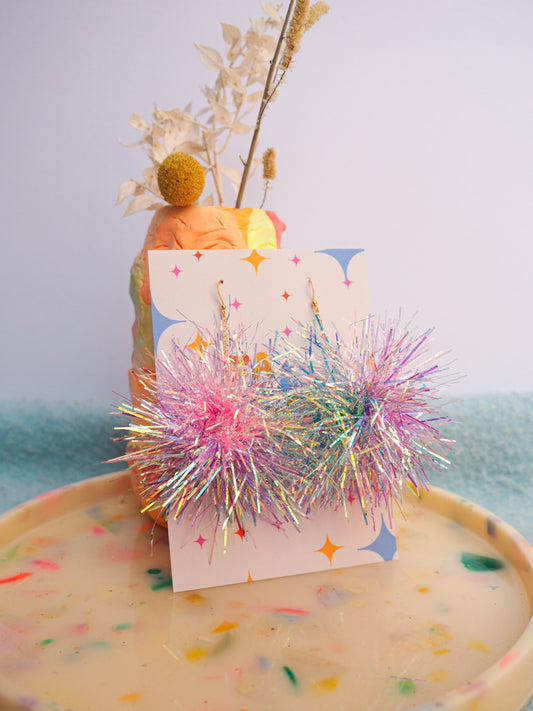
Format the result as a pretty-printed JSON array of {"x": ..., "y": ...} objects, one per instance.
[
  {"x": 314, "y": 303},
  {"x": 222, "y": 304},
  {"x": 224, "y": 321}
]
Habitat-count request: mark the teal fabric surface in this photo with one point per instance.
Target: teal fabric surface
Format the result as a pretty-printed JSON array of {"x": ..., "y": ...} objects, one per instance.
[
  {"x": 44, "y": 445},
  {"x": 492, "y": 460}
]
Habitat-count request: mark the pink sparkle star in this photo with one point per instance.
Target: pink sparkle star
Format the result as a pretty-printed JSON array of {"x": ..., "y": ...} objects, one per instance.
[
  {"x": 295, "y": 260},
  {"x": 235, "y": 304},
  {"x": 200, "y": 540},
  {"x": 176, "y": 271},
  {"x": 287, "y": 331},
  {"x": 347, "y": 282}
]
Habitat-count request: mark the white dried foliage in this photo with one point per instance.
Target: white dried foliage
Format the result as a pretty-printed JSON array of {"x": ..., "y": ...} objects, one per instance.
[
  {"x": 137, "y": 122},
  {"x": 272, "y": 12},
  {"x": 127, "y": 189},
  {"x": 247, "y": 76},
  {"x": 232, "y": 174},
  {"x": 241, "y": 72},
  {"x": 140, "y": 202},
  {"x": 210, "y": 57}
]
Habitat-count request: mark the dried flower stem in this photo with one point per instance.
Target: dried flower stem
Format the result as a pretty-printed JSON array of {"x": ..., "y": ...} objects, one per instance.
[
  {"x": 267, "y": 94},
  {"x": 213, "y": 168},
  {"x": 238, "y": 117},
  {"x": 146, "y": 188},
  {"x": 265, "y": 193},
  {"x": 245, "y": 64}
]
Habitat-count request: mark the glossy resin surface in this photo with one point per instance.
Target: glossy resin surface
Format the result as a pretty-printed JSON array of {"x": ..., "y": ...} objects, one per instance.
[{"x": 88, "y": 619}]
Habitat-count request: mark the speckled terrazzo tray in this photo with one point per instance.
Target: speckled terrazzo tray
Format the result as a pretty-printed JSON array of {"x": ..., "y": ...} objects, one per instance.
[{"x": 88, "y": 619}]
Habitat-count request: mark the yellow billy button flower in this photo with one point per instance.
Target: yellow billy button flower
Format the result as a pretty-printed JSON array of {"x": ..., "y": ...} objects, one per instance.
[{"x": 181, "y": 179}]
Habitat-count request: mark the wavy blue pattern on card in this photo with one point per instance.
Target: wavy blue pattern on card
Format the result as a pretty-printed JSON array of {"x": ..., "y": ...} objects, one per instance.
[
  {"x": 342, "y": 256},
  {"x": 160, "y": 324}
]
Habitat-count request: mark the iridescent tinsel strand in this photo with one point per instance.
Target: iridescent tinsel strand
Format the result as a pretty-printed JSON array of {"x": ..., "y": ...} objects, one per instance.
[
  {"x": 372, "y": 415},
  {"x": 214, "y": 439}
]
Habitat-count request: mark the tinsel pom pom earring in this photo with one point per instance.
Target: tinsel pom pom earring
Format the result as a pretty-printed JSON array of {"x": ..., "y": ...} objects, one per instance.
[
  {"x": 211, "y": 442},
  {"x": 372, "y": 408}
]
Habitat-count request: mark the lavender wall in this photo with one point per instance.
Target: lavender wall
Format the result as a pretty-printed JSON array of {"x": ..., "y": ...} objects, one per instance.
[{"x": 405, "y": 128}]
